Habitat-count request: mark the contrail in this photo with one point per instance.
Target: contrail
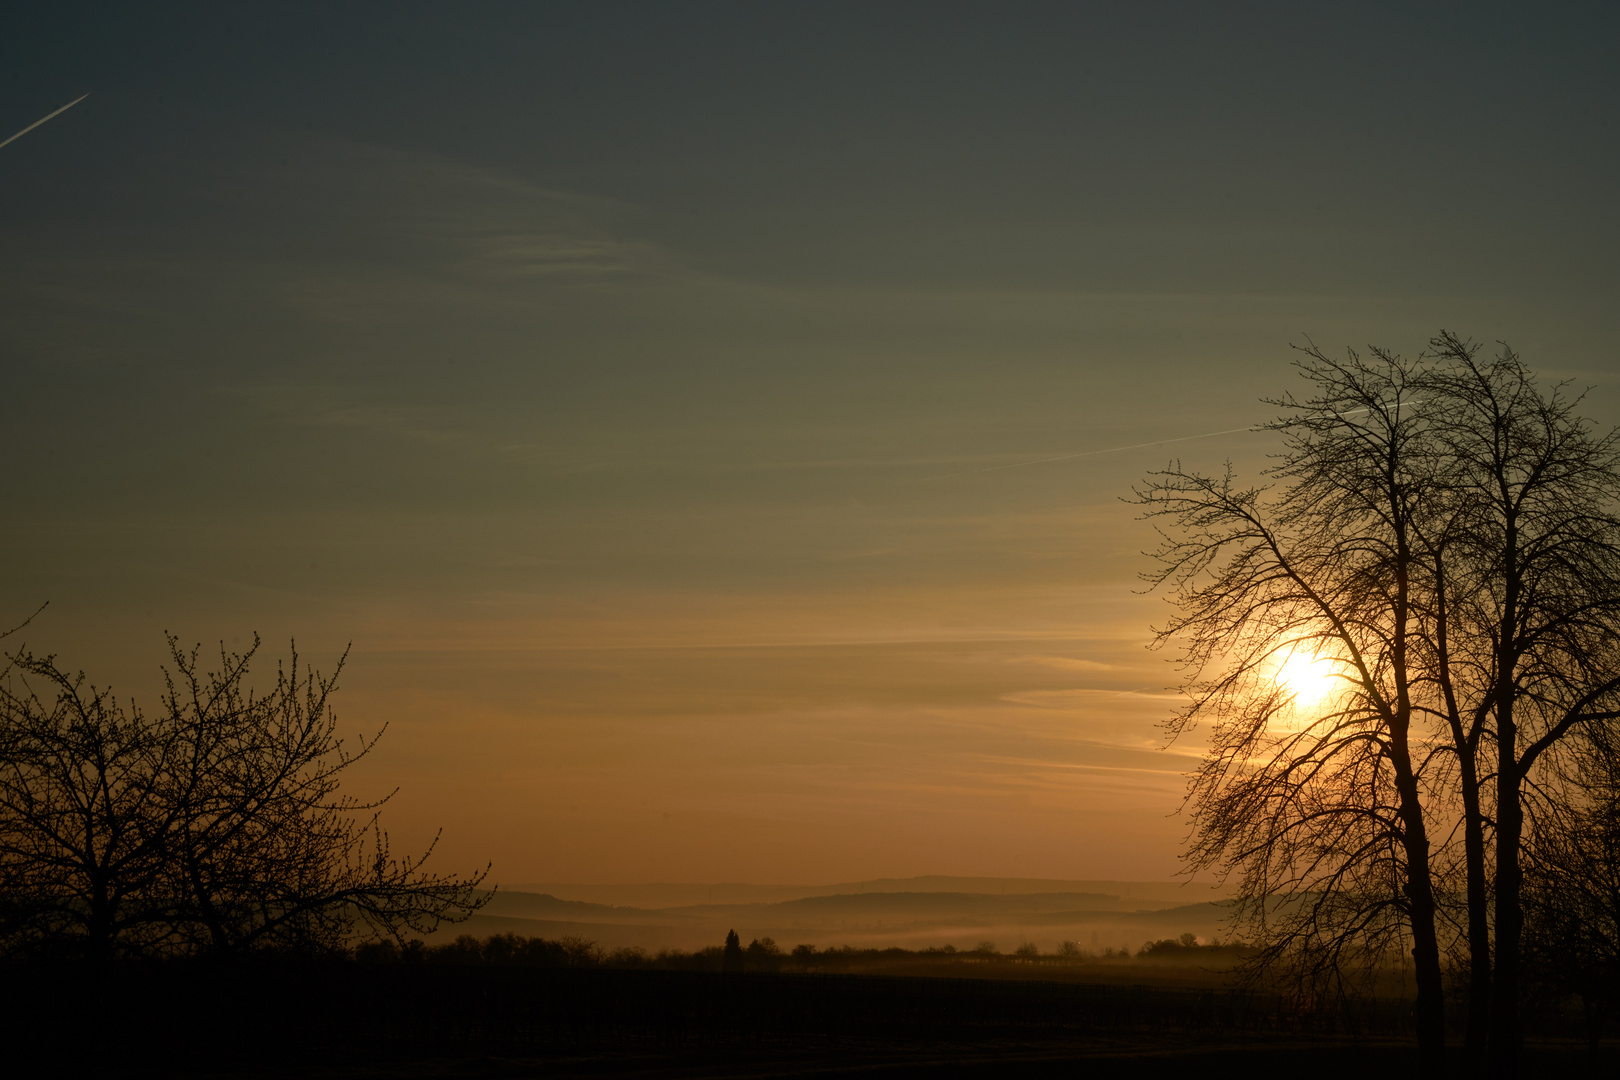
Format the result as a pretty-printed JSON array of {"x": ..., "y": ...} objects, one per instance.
[{"x": 42, "y": 119}]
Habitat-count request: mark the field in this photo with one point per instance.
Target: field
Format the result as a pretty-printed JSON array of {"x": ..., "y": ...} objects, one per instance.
[
  {"x": 344, "y": 1019},
  {"x": 871, "y": 979}
]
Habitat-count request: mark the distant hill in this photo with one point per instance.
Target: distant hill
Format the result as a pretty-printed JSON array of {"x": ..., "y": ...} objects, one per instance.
[
  {"x": 529, "y": 905},
  {"x": 873, "y": 917},
  {"x": 674, "y": 895},
  {"x": 919, "y": 904}
]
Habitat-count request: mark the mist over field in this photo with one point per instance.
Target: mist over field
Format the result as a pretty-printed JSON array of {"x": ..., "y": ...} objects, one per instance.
[{"x": 916, "y": 913}]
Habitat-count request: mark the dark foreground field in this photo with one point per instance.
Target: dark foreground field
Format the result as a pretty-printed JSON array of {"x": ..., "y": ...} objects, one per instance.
[{"x": 351, "y": 1020}]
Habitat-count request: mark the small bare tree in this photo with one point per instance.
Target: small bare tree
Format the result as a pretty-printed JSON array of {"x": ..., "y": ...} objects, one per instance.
[{"x": 215, "y": 824}]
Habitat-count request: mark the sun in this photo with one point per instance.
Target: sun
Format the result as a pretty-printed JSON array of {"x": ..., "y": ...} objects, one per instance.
[{"x": 1307, "y": 678}]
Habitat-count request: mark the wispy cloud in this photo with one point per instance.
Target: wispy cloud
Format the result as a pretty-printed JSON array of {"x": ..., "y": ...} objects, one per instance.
[
  {"x": 1062, "y": 663},
  {"x": 476, "y": 220}
]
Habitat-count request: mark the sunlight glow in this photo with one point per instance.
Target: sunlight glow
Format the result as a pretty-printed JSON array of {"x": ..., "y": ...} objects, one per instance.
[{"x": 1307, "y": 677}]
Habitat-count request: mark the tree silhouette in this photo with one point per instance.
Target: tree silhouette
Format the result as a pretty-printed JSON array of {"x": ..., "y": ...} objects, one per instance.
[
  {"x": 213, "y": 824},
  {"x": 763, "y": 954},
  {"x": 732, "y": 958},
  {"x": 1439, "y": 537},
  {"x": 1316, "y": 806},
  {"x": 1538, "y": 617}
]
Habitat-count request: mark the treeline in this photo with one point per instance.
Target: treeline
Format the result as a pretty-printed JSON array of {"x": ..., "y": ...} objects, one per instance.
[{"x": 760, "y": 955}]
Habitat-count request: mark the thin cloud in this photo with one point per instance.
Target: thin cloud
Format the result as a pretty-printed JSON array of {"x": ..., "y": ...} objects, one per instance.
[{"x": 1063, "y": 663}]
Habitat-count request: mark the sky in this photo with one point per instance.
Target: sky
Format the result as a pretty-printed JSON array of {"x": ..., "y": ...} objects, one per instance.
[{"x": 657, "y": 399}]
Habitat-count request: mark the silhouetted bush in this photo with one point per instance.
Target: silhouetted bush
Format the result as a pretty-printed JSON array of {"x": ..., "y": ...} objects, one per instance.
[
  {"x": 763, "y": 955},
  {"x": 211, "y": 823}
]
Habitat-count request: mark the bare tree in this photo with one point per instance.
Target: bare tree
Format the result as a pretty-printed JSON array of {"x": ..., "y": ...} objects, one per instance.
[
  {"x": 1443, "y": 537},
  {"x": 1317, "y": 806},
  {"x": 215, "y": 824},
  {"x": 1537, "y": 608}
]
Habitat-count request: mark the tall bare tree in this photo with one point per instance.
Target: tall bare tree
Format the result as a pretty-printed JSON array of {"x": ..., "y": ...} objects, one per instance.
[
  {"x": 1537, "y": 605},
  {"x": 1442, "y": 534},
  {"x": 1317, "y": 806}
]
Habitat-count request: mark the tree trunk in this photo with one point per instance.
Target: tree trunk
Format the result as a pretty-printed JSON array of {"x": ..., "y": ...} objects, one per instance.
[
  {"x": 1465, "y": 741},
  {"x": 1479, "y": 923},
  {"x": 1431, "y": 1002},
  {"x": 1504, "y": 1037},
  {"x": 1504, "y": 1045},
  {"x": 99, "y": 926}
]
